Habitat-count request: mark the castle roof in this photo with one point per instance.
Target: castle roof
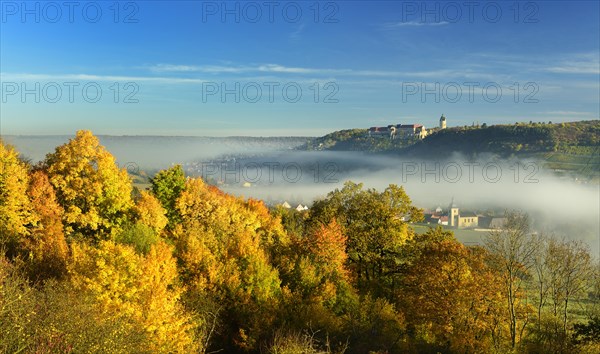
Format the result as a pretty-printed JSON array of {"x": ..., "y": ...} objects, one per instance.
[
  {"x": 378, "y": 129},
  {"x": 405, "y": 126}
]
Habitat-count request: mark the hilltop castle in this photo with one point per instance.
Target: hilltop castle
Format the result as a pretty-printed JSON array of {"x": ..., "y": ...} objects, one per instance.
[{"x": 405, "y": 131}]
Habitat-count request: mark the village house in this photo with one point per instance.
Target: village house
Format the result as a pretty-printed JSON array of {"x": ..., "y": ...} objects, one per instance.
[{"x": 491, "y": 222}]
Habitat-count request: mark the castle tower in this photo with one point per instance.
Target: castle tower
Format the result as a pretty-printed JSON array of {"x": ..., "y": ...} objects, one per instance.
[{"x": 442, "y": 122}]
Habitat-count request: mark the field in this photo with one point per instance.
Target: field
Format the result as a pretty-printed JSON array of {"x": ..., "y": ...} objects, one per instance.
[
  {"x": 582, "y": 166},
  {"x": 466, "y": 237}
]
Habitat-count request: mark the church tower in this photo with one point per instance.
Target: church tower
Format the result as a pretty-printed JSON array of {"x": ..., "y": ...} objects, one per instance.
[
  {"x": 442, "y": 122},
  {"x": 453, "y": 213}
]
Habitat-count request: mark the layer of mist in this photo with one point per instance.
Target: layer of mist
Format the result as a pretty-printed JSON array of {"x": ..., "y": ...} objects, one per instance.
[
  {"x": 558, "y": 206},
  {"x": 270, "y": 169}
]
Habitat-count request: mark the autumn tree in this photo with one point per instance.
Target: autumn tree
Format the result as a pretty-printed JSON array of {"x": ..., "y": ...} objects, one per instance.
[
  {"x": 94, "y": 192},
  {"x": 451, "y": 298},
  {"x": 564, "y": 273},
  {"x": 162, "y": 314},
  {"x": 46, "y": 247},
  {"x": 140, "y": 288},
  {"x": 513, "y": 249},
  {"x": 327, "y": 248},
  {"x": 376, "y": 227},
  {"x": 373, "y": 325},
  {"x": 316, "y": 283},
  {"x": 570, "y": 270},
  {"x": 148, "y": 211},
  {"x": 146, "y": 226},
  {"x": 16, "y": 211},
  {"x": 540, "y": 277},
  {"x": 293, "y": 221},
  {"x": 221, "y": 243}
]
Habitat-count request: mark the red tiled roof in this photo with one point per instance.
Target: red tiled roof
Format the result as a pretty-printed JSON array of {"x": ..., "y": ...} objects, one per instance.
[{"x": 378, "y": 129}]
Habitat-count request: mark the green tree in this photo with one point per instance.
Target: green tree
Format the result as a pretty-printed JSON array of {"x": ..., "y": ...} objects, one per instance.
[
  {"x": 167, "y": 186},
  {"x": 376, "y": 228}
]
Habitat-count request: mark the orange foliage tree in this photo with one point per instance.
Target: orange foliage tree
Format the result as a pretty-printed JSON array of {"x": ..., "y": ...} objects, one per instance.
[
  {"x": 452, "y": 299},
  {"x": 46, "y": 244}
]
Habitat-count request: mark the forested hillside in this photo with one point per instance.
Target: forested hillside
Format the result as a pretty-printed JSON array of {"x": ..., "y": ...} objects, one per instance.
[
  {"x": 520, "y": 138},
  {"x": 572, "y": 138},
  {"x": 91, "y": 264}
]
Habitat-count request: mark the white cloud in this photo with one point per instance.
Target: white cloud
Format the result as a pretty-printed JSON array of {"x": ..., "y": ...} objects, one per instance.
[
  {"x": 567, "y": 113},
  {"x": 88, "y": 77},
  {"x": 219, "y": 69},
  {"x": 393, "y": 25},
  {"x": 170, "y": 67},
  {"x": 281, "y": 69},
  {"x": 575, "y": 68},
  {"x": 296, "y": 34},
  {"x": 587, "y": 63}
]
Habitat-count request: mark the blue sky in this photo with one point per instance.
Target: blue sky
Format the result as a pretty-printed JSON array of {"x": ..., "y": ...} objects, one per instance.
[{"x": 293, "y": 68}]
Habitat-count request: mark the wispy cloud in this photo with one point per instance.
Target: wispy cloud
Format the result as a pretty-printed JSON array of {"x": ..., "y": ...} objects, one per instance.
[
  {"x": 275, "y": 68},
  {"x": 444, "y": 74},
  {"x": 220, "y": 69},
  {"x": 172, "y": 68},
  {"x": 296, "y": 34},
  {"x": 575, "y": 68},
  {"x": 87, "y": 77},
  {"x": 392, "y": 25},
  {"x": 578, "y": 64},
  {"x": 567, "y": 113}
]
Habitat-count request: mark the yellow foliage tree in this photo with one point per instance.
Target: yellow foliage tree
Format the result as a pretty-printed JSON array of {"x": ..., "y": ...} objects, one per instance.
[
  {"x": 220, "y": 237},
  {"x": 94, "y": 192},
  {"x": 141, "y": 288},
  {"x": 221, "y": 244},
  {"x": 150, "y": 212},
  {"x": 110, "y": 272},
  {"x": 16, "y": 213},
  {"x": 162, "y": 314}
]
